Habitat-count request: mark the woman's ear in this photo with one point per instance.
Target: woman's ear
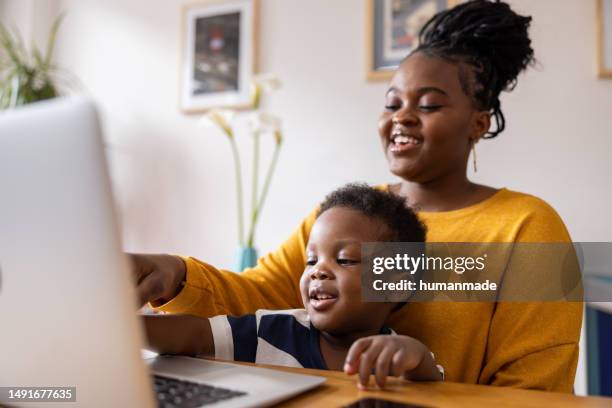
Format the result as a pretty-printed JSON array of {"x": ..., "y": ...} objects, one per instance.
[{"x": 481, "y": 122}]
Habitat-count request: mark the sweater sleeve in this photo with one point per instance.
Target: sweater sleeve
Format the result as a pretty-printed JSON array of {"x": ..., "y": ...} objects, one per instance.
[
  {"x": 272, "y": 284},
  {"x": 535, "y": 344}
]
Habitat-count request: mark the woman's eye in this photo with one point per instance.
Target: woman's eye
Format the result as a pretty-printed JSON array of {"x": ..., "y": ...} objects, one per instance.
[
  {"x": 344, "y": 261},
  {"x": 393, "y": 104},
  {"x": 430, "y": 108}
]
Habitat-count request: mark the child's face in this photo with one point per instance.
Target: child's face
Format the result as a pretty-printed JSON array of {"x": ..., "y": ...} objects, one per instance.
[{"x": 331, "y": 283}]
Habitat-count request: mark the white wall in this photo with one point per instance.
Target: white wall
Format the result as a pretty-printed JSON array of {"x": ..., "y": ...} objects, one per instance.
[
  {"x": 19, "y": 14},
  {"x": 174, "y": 181}
]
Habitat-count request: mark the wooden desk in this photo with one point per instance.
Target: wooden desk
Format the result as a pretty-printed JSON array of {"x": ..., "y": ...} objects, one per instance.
[{"x": 340, "y": 390}]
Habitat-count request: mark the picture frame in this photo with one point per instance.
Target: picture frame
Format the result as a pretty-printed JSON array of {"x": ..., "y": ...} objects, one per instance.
[
  {"x": 219, "y": 54},
  {"x": 604, "y": 38},
  {"x": 392, "y": 29}
]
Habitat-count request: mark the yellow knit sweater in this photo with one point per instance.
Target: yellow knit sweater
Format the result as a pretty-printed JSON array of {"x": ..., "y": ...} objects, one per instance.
[{"x": 527, "y": 345}]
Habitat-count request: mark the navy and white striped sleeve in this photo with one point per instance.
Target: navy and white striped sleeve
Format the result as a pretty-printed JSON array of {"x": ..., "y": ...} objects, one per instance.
[{"x": 235, "y": 338}]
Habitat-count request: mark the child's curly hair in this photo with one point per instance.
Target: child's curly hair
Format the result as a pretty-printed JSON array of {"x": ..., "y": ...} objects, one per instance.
[{"x": 385, "y": 206}]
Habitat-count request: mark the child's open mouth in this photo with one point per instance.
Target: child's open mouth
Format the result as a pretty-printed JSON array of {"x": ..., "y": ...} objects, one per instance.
[{"x": 321, "y": 299}]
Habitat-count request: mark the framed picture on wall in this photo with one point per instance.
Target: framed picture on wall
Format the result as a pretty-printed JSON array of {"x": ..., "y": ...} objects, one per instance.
[
  {"x": 604, "y": 38},
  {"x": 219, "y": 54},
  {"x": 392, "y": 30}
]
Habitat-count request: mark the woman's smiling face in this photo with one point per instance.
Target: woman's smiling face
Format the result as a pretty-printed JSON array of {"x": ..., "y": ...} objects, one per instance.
[{"x": 429, "y": 121}]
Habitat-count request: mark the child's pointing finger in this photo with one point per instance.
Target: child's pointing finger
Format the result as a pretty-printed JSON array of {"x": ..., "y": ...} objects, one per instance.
[{"x": 351, "y": 364}]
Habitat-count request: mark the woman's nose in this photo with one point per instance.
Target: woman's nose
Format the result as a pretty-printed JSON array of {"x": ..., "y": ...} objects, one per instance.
[{"x": 405, "y": 117}]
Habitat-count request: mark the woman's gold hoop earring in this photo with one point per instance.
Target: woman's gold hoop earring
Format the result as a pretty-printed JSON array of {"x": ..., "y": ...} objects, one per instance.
[{"x": 474, "y": 156}]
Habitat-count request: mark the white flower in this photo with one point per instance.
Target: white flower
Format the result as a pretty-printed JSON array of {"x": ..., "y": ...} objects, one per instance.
[
  {"x": 264, "y": 123},
  {"x": 221, "y": 119},
  {"x": 268, "y": 82},
  {"x": 265, "y": 83},
  {"x": 261, "y": 122}
]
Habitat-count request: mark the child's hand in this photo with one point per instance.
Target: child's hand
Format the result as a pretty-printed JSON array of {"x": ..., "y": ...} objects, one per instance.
[{"x": 390, "y": 355}]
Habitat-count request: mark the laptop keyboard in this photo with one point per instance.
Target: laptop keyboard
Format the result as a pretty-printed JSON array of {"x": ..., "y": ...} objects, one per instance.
[{"x": 171, "y": 393}]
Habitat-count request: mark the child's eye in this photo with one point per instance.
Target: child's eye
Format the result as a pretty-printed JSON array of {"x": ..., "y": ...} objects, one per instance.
[
  {"x": 311, "y": 261},
  {"x": 345, "y": 261}
]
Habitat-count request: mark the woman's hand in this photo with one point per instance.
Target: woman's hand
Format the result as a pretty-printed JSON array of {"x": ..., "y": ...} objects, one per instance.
[
  {"x": 159, "y": 277},
  {"x": 390, "y": 355}
]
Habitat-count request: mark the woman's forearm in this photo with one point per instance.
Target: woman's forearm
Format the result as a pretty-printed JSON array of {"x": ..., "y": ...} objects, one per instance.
[
  {"x": 271, "y": 284},
  {"x": 179, "y": 334}
]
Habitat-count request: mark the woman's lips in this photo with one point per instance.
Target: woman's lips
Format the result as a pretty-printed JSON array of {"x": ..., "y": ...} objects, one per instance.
[{"x": 401, "y": 143}]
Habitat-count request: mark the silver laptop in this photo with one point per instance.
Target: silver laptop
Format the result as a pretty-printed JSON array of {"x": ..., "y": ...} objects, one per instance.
[{"x": 68, "y": 312}]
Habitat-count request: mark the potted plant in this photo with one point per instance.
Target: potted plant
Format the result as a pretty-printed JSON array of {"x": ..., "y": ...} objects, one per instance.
[{"x": 26, "y": 76}]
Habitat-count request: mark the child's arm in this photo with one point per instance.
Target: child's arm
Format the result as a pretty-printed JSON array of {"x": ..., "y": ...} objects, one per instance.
[
  {"x": 179, "y": 334},
  {"x": 391, "y": 355}
]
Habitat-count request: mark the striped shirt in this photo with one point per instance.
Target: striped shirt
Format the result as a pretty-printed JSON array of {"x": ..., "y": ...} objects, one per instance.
[{"x": 279, "y": 337}]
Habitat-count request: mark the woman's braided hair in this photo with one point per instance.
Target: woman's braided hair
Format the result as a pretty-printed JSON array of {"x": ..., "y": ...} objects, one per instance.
[{"x": 488, "y": 36}]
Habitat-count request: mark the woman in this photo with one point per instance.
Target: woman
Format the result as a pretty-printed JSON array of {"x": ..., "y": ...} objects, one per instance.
[{"x": 439, "y": 105}]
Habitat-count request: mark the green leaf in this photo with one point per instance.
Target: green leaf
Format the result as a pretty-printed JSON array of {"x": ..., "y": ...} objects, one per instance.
[
  {"x": 35, "y": 75},
  {"x": 38, "y": 59},
  {"x": 9, "y": 45},
  {"x": 20, "y": 47},
  {"x": 52, "y": 37}
]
